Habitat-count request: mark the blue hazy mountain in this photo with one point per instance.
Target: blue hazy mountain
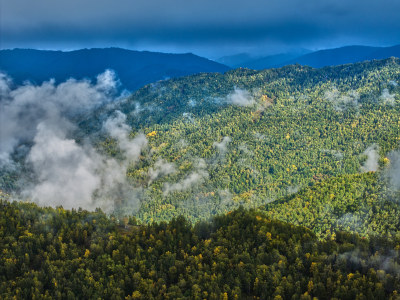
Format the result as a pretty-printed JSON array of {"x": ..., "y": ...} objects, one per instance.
[
  {"x": 316, "y": 59},
  {"x": 236, "y": 60},
  {"x": 134, "y": 68},
  {"x": 246, "y": 60},
  {"x": 344, "y": 55},
  {"x": 271, "y": 61}
]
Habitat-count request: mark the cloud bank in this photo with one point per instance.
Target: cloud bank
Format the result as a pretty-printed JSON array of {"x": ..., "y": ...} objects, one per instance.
[
  {"x": 25, "y": 107},
  {"x": 64, "y": 171}
]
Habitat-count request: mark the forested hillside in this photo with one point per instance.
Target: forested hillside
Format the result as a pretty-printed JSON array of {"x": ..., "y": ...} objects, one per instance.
[
  {"x": 275, "y": 184},
  {"x": 213, "y": 142},
  {"x": 52, "y": 253},
  {"x": 139, "y": 174},
  {"x": 354, "y": 203},
  {"x": 295, "y": 126}
]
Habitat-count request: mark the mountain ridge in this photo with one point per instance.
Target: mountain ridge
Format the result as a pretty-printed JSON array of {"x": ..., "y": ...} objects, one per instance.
[
  {"x": 133, "y": 68},
  {"x": 346, "y": 55},
  {"x": 316, "y": 59}
]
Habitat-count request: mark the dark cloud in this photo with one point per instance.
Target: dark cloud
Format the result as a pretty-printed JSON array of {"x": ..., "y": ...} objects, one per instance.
[{"x": 207, "y": 25}]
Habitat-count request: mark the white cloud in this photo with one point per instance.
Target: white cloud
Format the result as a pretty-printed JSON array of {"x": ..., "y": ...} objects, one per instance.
[
  {"x": 240, "y": 97},
  {"x": 393, "y": 171},
  {"x": 74, "y": 175},
  {"x": 118, "y": 129},
  {"x": 25, "y": 107},
  {"x": 371, "y": 164},
  {"x": 342, "y": 101},
  {"x": 197, "y": 177},
  {"x": 386, "y": 98},
  {"x": 66, "y": 172},
  {"x": 161, "y": 168},
  {"x": 223, "y": 145}
]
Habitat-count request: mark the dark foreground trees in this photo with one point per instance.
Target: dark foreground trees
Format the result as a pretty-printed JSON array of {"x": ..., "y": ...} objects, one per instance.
[{"x": 55, "y": 253}]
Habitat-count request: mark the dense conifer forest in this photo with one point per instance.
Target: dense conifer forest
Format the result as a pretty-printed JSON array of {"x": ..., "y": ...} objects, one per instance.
[{"x": 52, "y": 253}]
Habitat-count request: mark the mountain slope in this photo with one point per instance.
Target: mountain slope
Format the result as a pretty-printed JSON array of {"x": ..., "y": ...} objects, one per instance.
[
  {"x": 303, "y": 123},
  {"x": 133, "y": 68},
  {"x": 213, "y": 142},
  {"x": 354, "y": 203}
]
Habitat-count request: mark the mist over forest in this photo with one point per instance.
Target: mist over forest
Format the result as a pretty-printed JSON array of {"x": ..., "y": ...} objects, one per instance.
[
  {"x": 200, "y": 150},
  {"x": 313, "y": 152}
]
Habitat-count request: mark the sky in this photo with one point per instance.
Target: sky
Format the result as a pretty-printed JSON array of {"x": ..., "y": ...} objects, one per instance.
[{"x": 211, "y": 28}]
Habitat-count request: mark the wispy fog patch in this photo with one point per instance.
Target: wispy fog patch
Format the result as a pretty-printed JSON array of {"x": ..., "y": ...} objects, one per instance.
[
  {"x": 137, "y": 110},
  {"x": 107, "y": 81},
  {"x": 371, "y": 164},
  {"x": 292, "y": 189},
  {"x": 5, "y": 86},
  {"x": 195, "y": 178},
  {"x": 25, "y": 107},
  {"x": 161, "y": 168},
  {"x": 240, "y": 97},
  {"x": 192, "y": 103},
  {"x": 225, "y": 196},
  {"x": 335, "y": 153},
  {"x": 119, "y": 130},
  {"x": 222, "y": 146},
  {"x": 182, "y": 144},
  {"x": 244, "y": 151},
  {"x": 386, "y": 98},
  {"x": 350, "y": 220},
  {"x": 260, "y": 136},
  {"x": 342, "y": 101},
  {"x": 189, "y": 117},
  {"x": 332, "y": 95},
  {"x": 392, "y": 173},
  {"x": 382, "y": 263}
]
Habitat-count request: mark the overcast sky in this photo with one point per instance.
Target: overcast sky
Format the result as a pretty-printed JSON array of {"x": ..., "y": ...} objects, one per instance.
[{"x": 210, "y": 28}]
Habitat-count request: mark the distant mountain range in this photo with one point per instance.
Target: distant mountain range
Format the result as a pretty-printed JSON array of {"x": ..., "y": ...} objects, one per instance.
[
  {"x": 138, "y": 68},
  {"x": 246, "y": 60},
  {"x": 345, "y": 55},
  {"x": 317, "y": 59},
  {"x": 134, "y": 68}
]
